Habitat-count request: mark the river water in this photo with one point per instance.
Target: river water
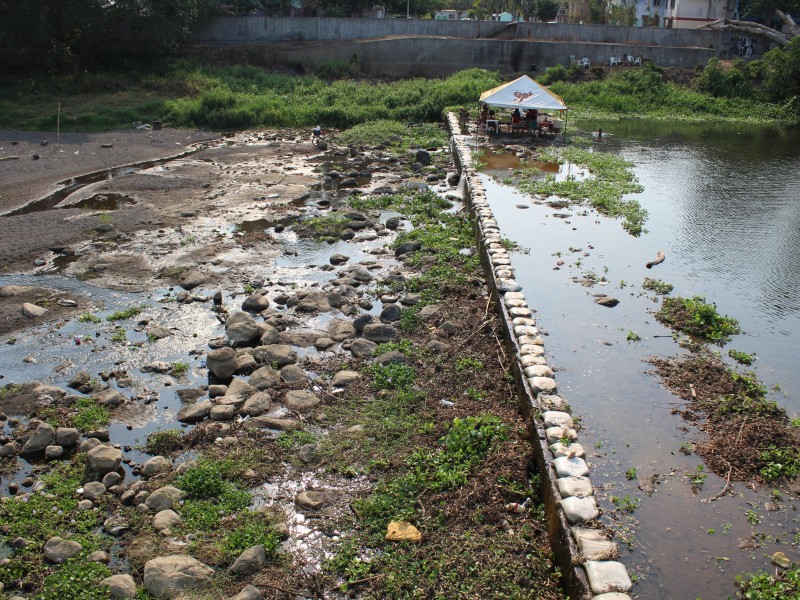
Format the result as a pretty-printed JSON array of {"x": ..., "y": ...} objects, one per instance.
[{"x": 724, "y": 206}]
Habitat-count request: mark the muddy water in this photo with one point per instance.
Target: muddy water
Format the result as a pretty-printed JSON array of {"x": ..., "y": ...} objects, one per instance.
[{"x": 724, "y": 205}]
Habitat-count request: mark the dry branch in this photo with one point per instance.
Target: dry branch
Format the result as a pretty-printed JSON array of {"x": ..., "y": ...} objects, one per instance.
[
  {"x": 660, "y": 257},
  {"x": 751, "y": 28}
]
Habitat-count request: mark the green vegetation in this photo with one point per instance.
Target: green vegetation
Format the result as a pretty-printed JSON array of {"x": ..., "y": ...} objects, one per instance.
[
  {"x": 632, "y": 336},
  {"x": 697, "y": 477},
  {"x": 392, "y": 376},
  {"x": 256, "y": 531},
  {"x": 89, "y": 415},
  {"x": 163, "y": 442},
  {"x": 625, "y": 503},
  {"x": 77, "y": 578},
  {"x": 662, "y": 288},
  {"x": 780, "y": 462},
  {"x": 39, "y": 517},
  {"x": 179, "y": 369},
  {"x": 187, "y": 93},
  {"x": 89, "y": 318},
  {"x": 443, "y": 236},
  {"x": 128, "y": 313},
  {"x": 743, "y": 358},
  {"x": 118, "y": 336},
  {"x": 610, "y": 179},
  {"x": 694, "y": 316},
  {"x": 468, "y": 363},
  {"x": 395, "y": 134},
  {"x": 630, "y": 474},
  {"x": 293, "y": 439},
  {"x": 783, "y": 585},
  {"x": 466, "y": 444},
  {"x": 646, "y": 92}
]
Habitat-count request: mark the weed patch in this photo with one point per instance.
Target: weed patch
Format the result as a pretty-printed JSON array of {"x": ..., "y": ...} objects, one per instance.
[
  {"x": 610, "y": 179},
  {"x": 694, "y": 316}
]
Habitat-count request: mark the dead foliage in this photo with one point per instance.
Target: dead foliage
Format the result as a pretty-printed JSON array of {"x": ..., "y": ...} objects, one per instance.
[{"x": 730, "y": 408}]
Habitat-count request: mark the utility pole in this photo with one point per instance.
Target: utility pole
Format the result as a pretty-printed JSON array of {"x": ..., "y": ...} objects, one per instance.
[{"x": 408, "y": 9}]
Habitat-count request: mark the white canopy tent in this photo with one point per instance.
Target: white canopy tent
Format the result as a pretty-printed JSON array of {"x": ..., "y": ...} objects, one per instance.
[{"x": 523, "y": 93}]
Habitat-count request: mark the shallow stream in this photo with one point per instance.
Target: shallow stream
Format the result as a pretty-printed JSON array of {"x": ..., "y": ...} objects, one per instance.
[{"x": 724, "y": 205}]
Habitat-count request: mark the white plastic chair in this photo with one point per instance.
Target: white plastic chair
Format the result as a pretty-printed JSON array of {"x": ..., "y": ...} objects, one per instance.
[
  {"x": 615, "y": 61},
  {"x": 638, "y": 61},
  {"x": 585, "y": 63},
  {"x": 572, "y": 59}
]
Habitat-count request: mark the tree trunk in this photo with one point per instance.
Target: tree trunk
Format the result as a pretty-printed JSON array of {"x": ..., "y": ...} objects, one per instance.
[{"x": 748, "y": 27}]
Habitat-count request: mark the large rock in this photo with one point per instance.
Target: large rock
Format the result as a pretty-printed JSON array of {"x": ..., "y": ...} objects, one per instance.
[
  {"x": 32, "y": 311},
  {"x": 249, "y": 561},
  {"x": 66, "y": 437},
  {"x": 169, "y": 576},
  {"x": 255, "y": 303},
  {"x": 362, "y": 348},
  {"x": 316, "y": 301},
  {"x": 238, "y": 391},
  {"x": 340, "y": 329},
  {"x": 379, "y": 333},
  {"x": 275, "y": 354},
  {"x": 293, "y": 374},
  {"x": 58, "y": 550},
  {"x": 345, "y": 378},
  {"x": 163, "y": 498},
  {"x": 103, "y": 459},
  {"x": 248, "y": 592},
  {"x": 241, "y": 330},
  {"x": 42, "y": 437},
  {"x": 264, "y": 378},
  {"x": 301, "y": 400},
  {"x": 193, "y": 413},
  {"x": 222, "y": 362},
  {"x": 191, "y": 279},
  {"x": 120, "y": 586},
  {"x": 165, "y": 519},
  {"x": 156, "y": 465},
  {"x": 109, "y": 397},
  {"x": 256, "y": 405}
]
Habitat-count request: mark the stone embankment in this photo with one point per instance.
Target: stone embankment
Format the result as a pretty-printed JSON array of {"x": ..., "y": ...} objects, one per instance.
[{"x": 583, "y": 552}]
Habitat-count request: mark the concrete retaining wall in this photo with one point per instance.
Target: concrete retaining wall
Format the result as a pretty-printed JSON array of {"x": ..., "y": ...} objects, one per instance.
[
  {"x": 584, "y": 556},
  {"x": 435, "y": 57},
  {"x": 249, "y": 29}
]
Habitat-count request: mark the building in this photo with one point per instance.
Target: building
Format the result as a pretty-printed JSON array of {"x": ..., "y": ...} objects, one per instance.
[{"x": 689, "y": 14}]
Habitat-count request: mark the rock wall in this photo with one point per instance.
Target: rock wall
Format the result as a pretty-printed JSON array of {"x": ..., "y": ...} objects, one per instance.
[{"x": 584, "y": 555}]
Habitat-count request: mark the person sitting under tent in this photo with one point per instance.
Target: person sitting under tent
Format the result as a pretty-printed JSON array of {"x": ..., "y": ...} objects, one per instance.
[
  {"x": 532, "y": 118},
  {"x": 483, "y": 116}
]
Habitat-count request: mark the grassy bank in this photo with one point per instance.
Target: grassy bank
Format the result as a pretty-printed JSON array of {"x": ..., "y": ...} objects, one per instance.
[
  {"x": 188, "y": 94},
  {"x": 646, "y": 92}
]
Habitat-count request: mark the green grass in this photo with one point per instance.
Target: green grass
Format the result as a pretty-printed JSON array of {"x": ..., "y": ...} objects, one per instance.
[
  {"x": 128, "y": 313},
  {"x": 89, "y": 415},
  {"x": 467, "y": 442},
  {"x": 644, "y": 92},
  {"x": 190, "y": 94},
  {"x": 39, "y": 517},
  {"x": 610, "y": 179}
]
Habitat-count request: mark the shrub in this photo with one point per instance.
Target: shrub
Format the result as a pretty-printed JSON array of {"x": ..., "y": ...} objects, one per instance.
[
  {"x": 727, "y": 83},
  {"x": 553, "y": 74}
]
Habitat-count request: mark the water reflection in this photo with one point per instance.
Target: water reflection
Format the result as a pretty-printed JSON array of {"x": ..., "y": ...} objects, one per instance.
[{"x": 724, "y": 205}]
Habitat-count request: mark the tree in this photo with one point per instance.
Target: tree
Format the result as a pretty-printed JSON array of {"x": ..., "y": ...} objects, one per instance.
[
  {"x": 547, "y": 10},
  {"x": 622, "y": 13}
]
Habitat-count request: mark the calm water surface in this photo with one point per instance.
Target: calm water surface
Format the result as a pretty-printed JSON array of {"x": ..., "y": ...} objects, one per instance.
[{"x": 724, "y": 204}]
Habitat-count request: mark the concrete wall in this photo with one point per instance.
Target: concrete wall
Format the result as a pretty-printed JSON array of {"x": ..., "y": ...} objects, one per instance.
[
  {"x": 250, "y": 29},
  {"x": 285, "y": 29},
  {"x": 436, "y": 57}
]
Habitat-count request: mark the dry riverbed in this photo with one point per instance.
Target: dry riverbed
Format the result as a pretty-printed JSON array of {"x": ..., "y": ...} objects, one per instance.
[{"x": 237, "y": 372}]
